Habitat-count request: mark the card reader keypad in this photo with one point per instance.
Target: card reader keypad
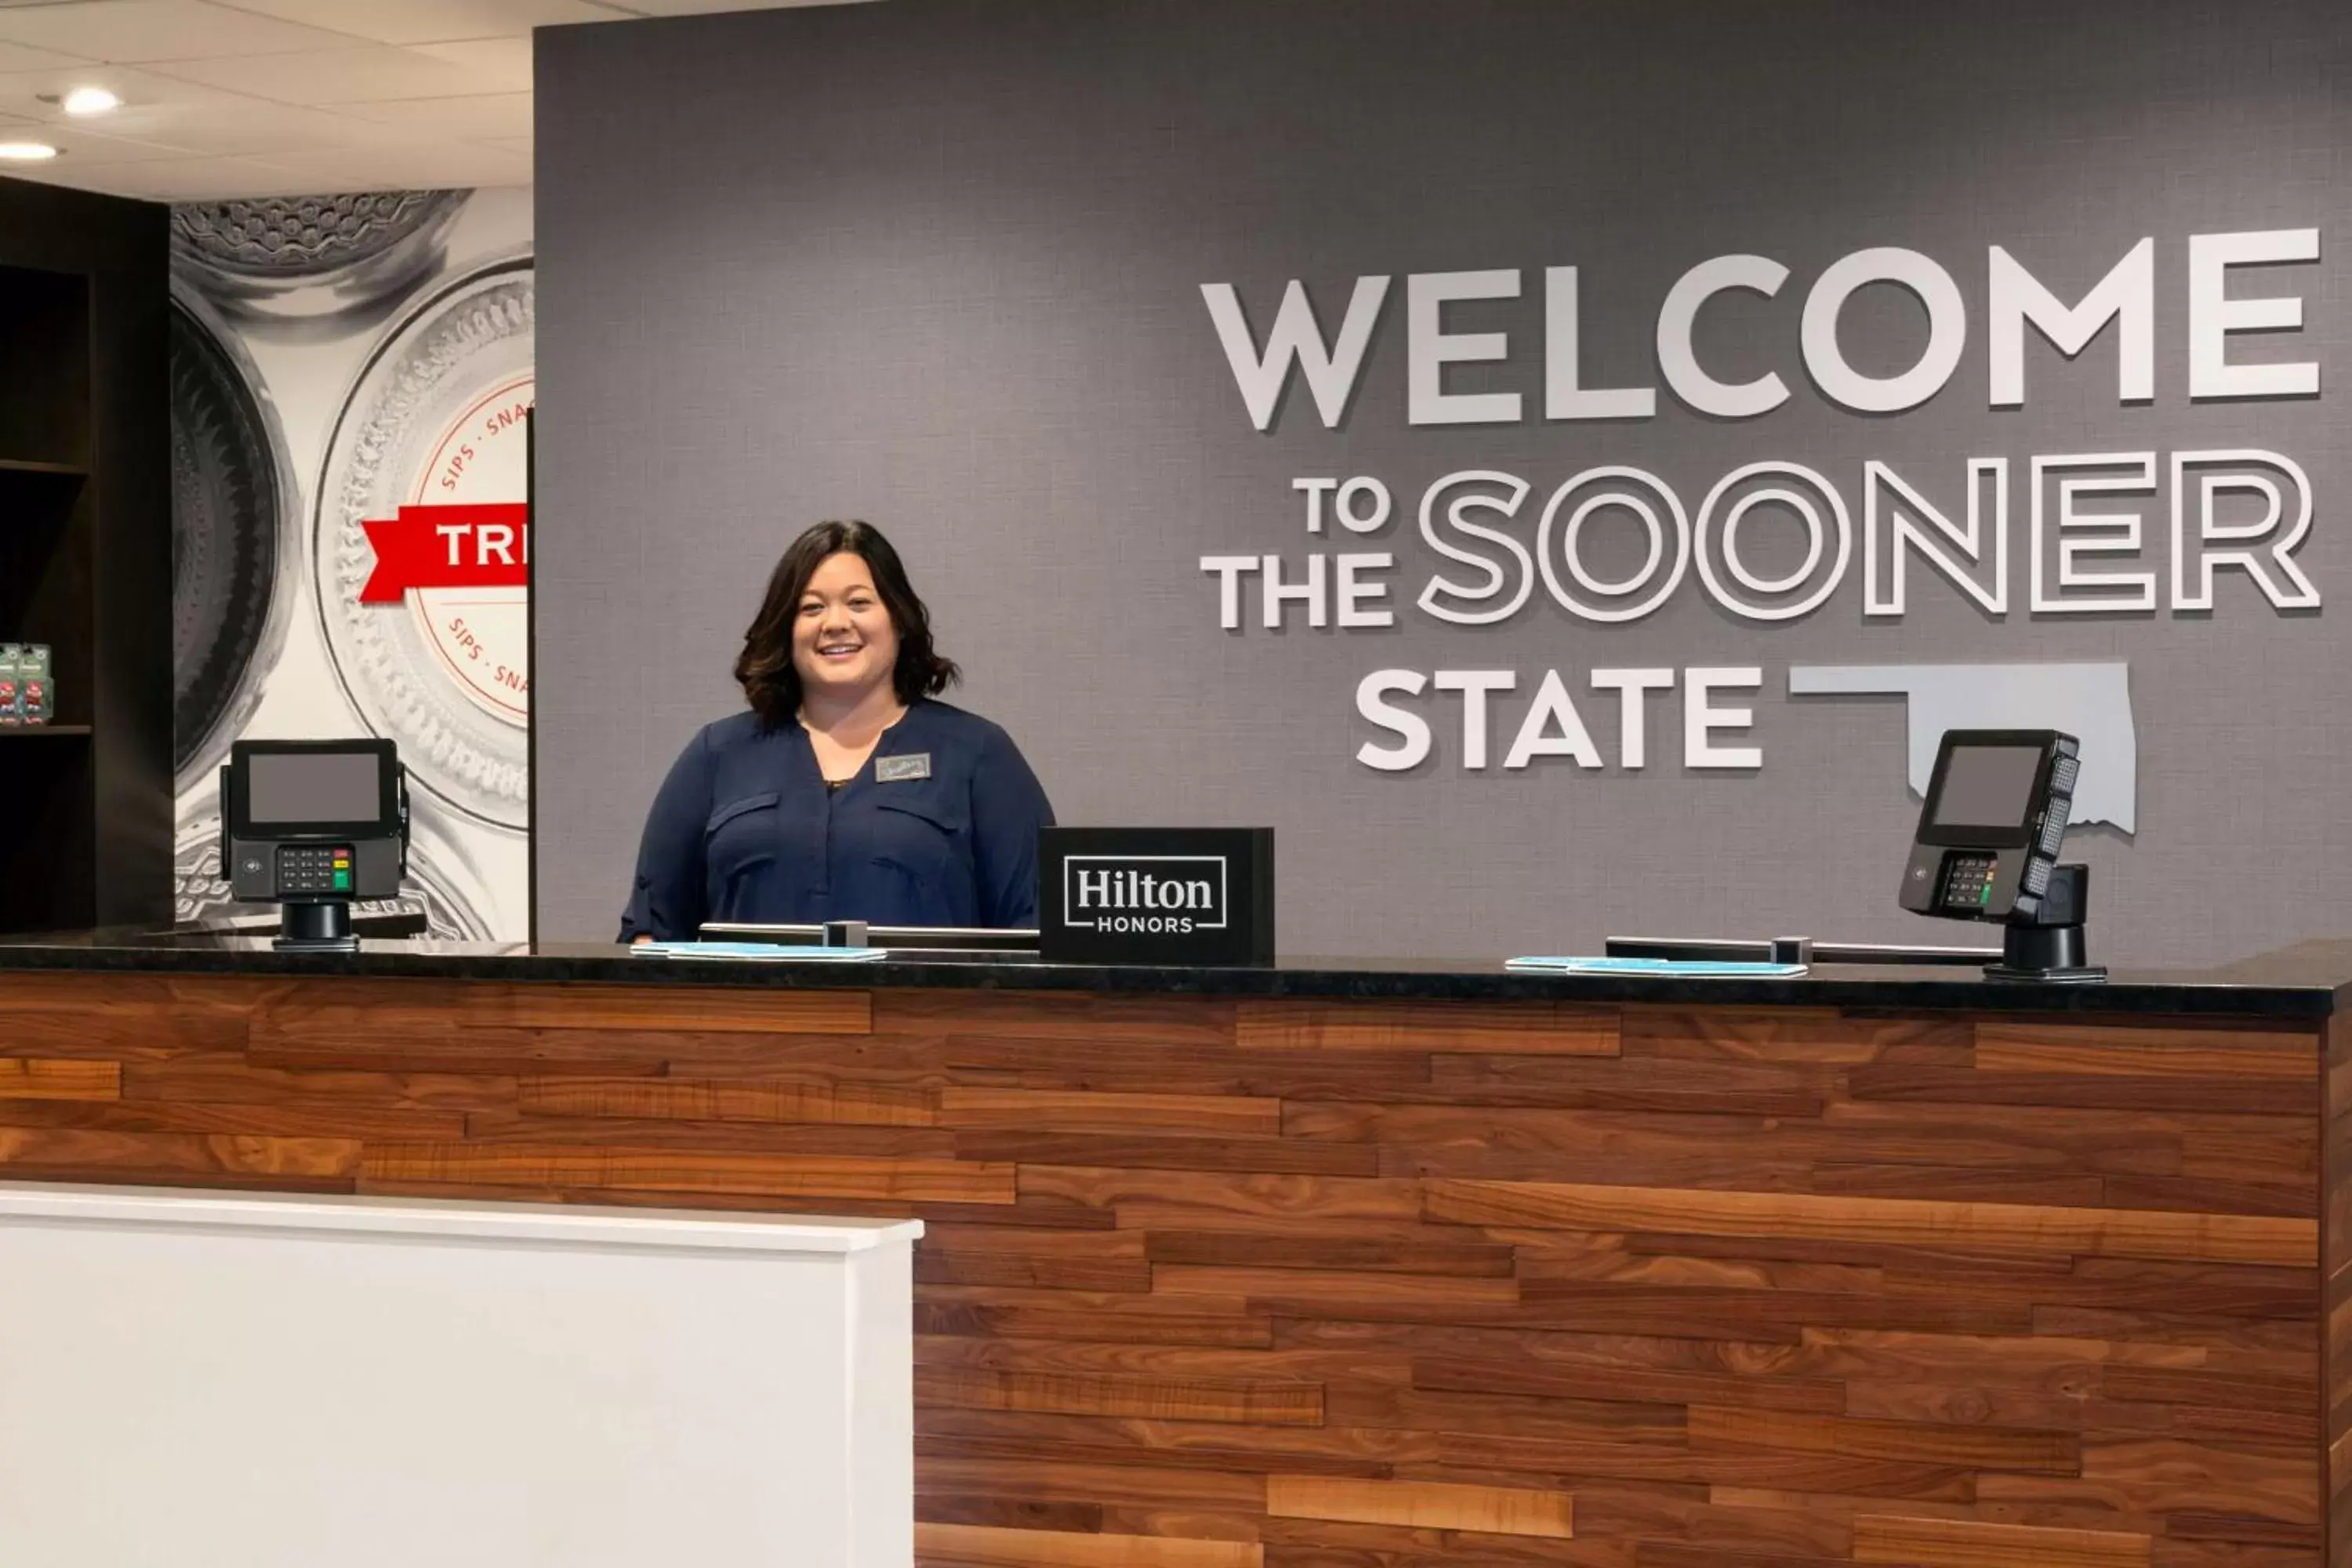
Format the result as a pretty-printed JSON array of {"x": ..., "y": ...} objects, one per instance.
[
  {"x": 314, "y": 868},
  {"x": 1967, "y": 882}
]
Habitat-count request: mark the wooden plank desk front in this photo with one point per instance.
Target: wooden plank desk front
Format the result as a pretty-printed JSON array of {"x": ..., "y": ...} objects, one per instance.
[{"x": 1292, "y": 1269}]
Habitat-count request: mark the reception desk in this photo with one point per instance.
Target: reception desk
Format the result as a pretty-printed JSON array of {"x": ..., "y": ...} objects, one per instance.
[
  {"x": 278, "y": 1380},
  {"x": 1359, "y": 1265}
]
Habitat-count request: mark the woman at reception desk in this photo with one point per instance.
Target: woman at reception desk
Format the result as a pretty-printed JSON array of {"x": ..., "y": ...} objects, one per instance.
[{"x": 846, "y": 791}]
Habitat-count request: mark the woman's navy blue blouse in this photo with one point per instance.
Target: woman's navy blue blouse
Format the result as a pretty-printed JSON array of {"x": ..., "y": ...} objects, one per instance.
[{"x": 939, "y": 828}]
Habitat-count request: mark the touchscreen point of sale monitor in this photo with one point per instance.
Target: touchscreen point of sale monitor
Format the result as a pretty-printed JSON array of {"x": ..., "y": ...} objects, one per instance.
[
  {"x": 1991, "y": 825},
  {"x": 313, "y": 822}
]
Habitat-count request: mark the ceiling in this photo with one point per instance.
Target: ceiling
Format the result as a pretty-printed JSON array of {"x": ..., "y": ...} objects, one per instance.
[{"x": 253, "y": 97}]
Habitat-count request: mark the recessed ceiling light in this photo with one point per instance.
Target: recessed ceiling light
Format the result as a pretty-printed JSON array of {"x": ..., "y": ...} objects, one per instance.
[
  {"x": 27, "y": 152},
  {"x": 91, "y": 100}
]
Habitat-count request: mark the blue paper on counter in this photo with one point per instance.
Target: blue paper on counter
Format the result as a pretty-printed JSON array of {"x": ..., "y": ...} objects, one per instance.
[
  {"x": 758, "y": 952},
  {"x": 1702, "y": 968}
]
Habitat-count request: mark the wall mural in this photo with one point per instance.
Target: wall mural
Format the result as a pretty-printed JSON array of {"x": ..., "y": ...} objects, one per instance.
[{"x": 349, "y": 379}]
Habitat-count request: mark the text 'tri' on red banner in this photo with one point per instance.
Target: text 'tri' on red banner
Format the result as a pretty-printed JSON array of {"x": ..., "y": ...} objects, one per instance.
[{"x": 485, "y": 545}]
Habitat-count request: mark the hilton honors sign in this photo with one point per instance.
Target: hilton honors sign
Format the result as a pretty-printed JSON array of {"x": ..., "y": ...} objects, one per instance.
[{"x": 1156, "y": 895}]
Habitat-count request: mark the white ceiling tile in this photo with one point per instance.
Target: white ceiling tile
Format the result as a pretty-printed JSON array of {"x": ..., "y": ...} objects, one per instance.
[
  {"x": 131, "y": 32},
  {"x": 249, "y": 128},
  {"x": 704, "y": 7},
  {"x": 429, "y": 22},
  {"x": 479, "y": 118},
  {"x": 195, "y": 180},
  {"x": 366, "y": 73},
  {"x": 420, "y": 166},
  {"x": 500, "y": 65},
  {"x": 433, "y": 21},
  {"x": 21, "y": 93},
  {"x": 18, "y": 57},
  {"x": 80, "y": 148},
  {"x": 185, "y": 117},
  {"x": 24, "y": 87},
  {"x": 49, "y": 173}
]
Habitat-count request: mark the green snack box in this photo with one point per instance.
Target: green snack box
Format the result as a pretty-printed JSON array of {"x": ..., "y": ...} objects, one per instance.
[
  {"x": 37, "y": 693},
  {"x": 12, "y": 710}
]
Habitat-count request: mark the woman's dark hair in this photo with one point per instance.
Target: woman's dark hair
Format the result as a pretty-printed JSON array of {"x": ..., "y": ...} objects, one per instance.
[{"x": 765, "y": 666}]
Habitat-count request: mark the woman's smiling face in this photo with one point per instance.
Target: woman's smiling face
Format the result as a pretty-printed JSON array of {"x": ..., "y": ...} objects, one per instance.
[{"x": 843, "y": 641}]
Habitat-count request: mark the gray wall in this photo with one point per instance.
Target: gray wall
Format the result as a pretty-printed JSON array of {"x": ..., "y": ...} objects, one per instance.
[{"x": 936, "y": 263}]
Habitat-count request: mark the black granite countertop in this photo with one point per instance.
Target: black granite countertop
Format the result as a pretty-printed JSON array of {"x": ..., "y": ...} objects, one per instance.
[{"x": 2308, "y": 981}]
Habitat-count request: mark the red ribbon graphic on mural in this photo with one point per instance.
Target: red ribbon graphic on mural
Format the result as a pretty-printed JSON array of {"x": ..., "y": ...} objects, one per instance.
[{"x": 479, "y": 546}]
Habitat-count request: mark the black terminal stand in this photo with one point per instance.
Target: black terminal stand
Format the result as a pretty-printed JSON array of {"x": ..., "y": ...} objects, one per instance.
[
  {"x": 2049, "y": 945},
  {"x": 322, "y": 926},
  {"x": 1986, "y": 849}
]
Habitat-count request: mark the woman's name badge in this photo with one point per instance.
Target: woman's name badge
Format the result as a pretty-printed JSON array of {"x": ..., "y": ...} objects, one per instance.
[{"x": 896, "y": 770}]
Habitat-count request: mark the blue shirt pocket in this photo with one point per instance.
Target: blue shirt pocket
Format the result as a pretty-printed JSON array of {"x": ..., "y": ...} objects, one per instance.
[
  {"x": 739, "y": 837},
  {"x": 916, "y": 829},
  {"x": 924, "y": 834}
]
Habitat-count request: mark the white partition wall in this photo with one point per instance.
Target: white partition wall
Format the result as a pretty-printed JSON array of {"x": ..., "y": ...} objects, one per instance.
[{"x": 211, "y": 1380}]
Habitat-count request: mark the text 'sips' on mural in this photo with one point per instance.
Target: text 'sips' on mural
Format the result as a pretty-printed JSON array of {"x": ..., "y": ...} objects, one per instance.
[{"x": 1613, "y": 543}]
